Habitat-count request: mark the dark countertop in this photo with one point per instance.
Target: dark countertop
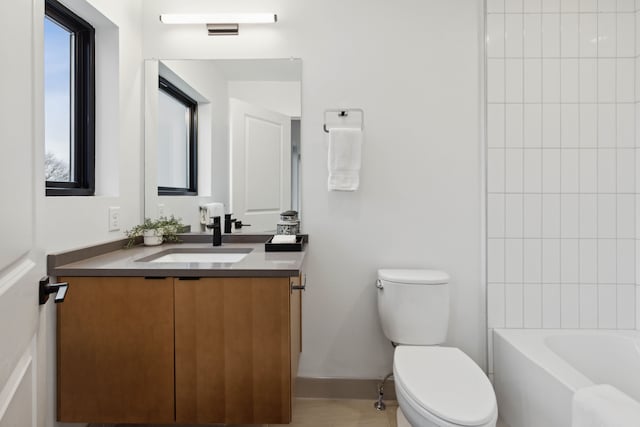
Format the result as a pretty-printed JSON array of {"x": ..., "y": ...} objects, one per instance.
[{"x": 111, "y": 260}]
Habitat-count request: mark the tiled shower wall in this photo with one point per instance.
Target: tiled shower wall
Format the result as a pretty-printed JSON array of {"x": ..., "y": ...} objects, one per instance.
[{"x": 561, "y": 113}]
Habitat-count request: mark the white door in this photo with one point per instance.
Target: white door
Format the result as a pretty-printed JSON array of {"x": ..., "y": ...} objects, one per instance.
[
  {"x": 260, "y": 165},
  {"x": 21, "y": 264}
]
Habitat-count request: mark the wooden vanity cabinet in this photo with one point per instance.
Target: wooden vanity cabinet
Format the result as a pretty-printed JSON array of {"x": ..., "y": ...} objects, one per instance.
[
  {"x": 115, "y": 350},
  {"x": 209, "y": 350},
  {"x": 236, "y": 346}
]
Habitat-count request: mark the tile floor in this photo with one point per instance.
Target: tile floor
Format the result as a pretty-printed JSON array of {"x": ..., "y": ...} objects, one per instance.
[{"x": 332, "y": 413}]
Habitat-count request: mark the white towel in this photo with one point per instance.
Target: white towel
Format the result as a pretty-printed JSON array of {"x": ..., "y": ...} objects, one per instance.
[
  {"x": 344, "y": 159},
  {"x": 604, "y": 405}
]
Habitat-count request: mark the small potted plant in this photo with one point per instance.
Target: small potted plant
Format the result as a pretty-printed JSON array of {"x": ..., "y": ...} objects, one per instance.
[{"x": 155, "y": 232}]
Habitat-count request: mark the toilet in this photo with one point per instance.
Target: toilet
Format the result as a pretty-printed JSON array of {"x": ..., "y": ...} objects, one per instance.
[{"x": 435, "y": 385}]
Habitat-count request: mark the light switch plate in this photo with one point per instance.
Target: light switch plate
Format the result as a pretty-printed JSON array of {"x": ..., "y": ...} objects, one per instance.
[{"x": 114, "y": 218}]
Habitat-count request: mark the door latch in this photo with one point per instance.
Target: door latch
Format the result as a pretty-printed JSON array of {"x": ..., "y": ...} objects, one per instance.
[{"x": 46, "y": 288}]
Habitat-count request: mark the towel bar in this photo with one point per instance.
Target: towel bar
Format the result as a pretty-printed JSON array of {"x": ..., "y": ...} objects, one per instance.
[{"x": 343, "y": 113}]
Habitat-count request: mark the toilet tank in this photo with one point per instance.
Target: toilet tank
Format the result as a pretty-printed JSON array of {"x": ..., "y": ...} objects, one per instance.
[{"x": 414, "y": 305}]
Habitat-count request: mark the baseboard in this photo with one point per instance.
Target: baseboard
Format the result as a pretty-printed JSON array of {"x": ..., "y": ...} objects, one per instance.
[{"x": 342, "y": 388}]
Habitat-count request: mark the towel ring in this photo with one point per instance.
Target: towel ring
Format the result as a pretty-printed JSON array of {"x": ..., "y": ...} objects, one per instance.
[{"x": 343, "y": 113}]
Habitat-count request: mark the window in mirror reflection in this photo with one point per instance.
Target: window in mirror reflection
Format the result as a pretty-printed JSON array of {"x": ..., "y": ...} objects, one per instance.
[{"x": 177, "y": 145}]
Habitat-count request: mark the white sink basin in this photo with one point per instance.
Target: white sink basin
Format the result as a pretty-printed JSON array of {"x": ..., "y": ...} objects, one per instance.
[{"x": 188, "y": 255}]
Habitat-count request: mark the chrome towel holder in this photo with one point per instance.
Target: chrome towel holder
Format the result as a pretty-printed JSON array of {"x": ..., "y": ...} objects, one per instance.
[{"x": 343, "y": 113}]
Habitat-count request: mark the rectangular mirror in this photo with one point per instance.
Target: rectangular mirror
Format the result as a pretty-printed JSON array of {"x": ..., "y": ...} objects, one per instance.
[{"x": 225, "y": 131}]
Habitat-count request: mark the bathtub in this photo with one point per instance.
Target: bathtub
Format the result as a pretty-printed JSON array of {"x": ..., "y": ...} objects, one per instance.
[{"x": 536, "y": 371}]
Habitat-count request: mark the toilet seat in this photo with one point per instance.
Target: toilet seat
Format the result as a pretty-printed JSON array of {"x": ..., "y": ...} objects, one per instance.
[{"x": 443, "y": 385}]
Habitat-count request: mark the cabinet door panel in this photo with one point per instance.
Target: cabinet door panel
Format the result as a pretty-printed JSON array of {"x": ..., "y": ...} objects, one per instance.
[
  {"x": 115, "y": 350},
  {"x": 233, "y": 351}
]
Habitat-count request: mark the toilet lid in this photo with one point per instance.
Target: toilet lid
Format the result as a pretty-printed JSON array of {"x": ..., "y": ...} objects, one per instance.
[{"x": 445, "y": 382}]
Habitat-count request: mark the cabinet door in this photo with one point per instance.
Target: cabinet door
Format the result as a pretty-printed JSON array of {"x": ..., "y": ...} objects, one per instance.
[
  {"x": 232, "y": 349},
  {"x": 115, "y": 351}
]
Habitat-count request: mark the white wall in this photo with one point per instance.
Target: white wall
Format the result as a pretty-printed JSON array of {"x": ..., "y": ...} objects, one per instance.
[
  {"x": 414, "y": 67},
  {"x": 283, "y": 97},
  {"x": 561, "y": 168}
]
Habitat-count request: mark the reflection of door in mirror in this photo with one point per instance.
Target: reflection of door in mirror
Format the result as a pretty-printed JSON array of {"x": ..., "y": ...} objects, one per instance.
[{"x": 265, "y": 183}]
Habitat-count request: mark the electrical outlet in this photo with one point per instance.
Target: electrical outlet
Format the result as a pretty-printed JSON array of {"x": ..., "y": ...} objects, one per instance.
[
  {"x": 160, "y": 209},
  {"x": 114, "y": 218}
]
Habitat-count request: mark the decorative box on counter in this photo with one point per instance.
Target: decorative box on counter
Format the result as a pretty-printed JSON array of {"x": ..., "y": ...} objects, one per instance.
[{"x": 301, "y": 239}]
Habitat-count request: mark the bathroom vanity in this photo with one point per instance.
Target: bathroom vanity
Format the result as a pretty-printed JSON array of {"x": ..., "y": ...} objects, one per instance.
[{"x": 179, "y": 342}]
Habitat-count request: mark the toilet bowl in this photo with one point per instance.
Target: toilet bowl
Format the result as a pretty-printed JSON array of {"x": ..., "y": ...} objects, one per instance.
[{"x": 436, "y": 386}]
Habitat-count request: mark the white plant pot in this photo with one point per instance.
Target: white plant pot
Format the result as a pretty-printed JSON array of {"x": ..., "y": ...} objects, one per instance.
[{"x": 152, "y": 237}]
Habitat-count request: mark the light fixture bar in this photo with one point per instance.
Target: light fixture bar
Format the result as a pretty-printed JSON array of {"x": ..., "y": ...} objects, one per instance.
[
  {"x": 222, "y": 29},
  {"x": 219, "y": 18}
]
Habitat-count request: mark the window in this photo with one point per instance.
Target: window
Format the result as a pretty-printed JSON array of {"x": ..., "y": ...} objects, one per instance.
[
  {"x": 177, "y": 136},
  {"x": 69, "y": 101}
]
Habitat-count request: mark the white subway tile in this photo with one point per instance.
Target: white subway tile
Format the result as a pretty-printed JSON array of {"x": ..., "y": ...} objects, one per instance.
[
  {"x": 606, "y": 5},
  {"x": 607, "y": 298},
  {"x": 570, "y": 216},
  {"x": 495, "y": 6},
  {"x": 626, "y": 125},
  {"x": 625, "y": 80},
  {"x": 513, "y": 171},
  {"x": 550, "y": 215},
  {"x": 532, "y": 125},
  {"x": 495, "y": 125},
  {"x": 550, "y": 35},
  {"x": 551, "y": 168},
  {"x": 588, "y": 5},
  {"x": 626, "y": 5},
  {"x": 531, "y": 6},
  {"x": 551, "y": 125},
  {"x": 514, "y": 215},
  {"x": 570, "y": 125},
  {"x": 607, "y": 264},
  {"x": 514, "y": 80},
  {"x": 626, "y": 309},
  {"x": 626, "y": 35},
  {"x": 532, "y": 261},
  {"x": 588, "y": 216},
  {"x": 514, "y": 305},
  {"x": 570, "y": 5},
  {"x": 495, "y": 260},
  {"x": 570, "y": 306},
  {"x": 495, "y": 170},
  {"x": 532, "y": 215},
  {"x": 533, "y": 80},
  {"x": 606, "y": 80},
  {"x": 626, "y": 214},
  {"x": 495, "y": 80},
  {"x": 551, "y": 261},
  {"x": 532, "y": 171},
  {"x": 550, "y": 80},
  {"x": 626, "y": 261},
  {"x": 495, "y": 35},
  {"x": 570, "y": 167},
  {"x": 570, "y": 256},
  {"x": 569, "y": 35},
  {"x": 551, "y": 305},
  {"x": 589, "y": 306},
  {"x": 588, "y": 80},
  {"x": 551, "y": 5},
  {"x": 606, "y": 216},
  {"x": 606, "y": 170},
  {"x": 495, "y": 305},
  {"x": 607, "y": 125},
  {"x": 514, "y": 127},
  {"x": 588, "y": 170},
  {"x": 588, "y": 35},
  {"x": 637, "y": 222},
  {"x": 495, "y": 215},
  {"x": 532, "y": 306},
  {"x": 588, "y": 261},
  {"x": 490, "y": 354},
  {"x": 606, "y": 35},
  {"x": 588, "y": 125},
  {"x": 514, "y": 6},
  {"x": 513, "y": 260},
  {"x": 626, "y": 170},
  {"x": 513, "y": 46},
  {"x": 533, "y": 35},
  {"x": 570, "y": 80}
]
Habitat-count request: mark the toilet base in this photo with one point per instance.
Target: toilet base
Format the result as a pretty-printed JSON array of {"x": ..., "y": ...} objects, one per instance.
[{"x": 401, "y": 419}]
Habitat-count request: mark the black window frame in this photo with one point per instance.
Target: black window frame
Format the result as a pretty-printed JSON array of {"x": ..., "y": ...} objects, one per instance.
[
  {"x": 82, "y": 183},
  {"x": 172, "y": 90}
]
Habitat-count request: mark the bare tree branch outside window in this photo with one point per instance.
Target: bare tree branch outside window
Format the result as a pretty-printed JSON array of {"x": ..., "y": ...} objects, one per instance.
[{"x": 55, "y": 169}]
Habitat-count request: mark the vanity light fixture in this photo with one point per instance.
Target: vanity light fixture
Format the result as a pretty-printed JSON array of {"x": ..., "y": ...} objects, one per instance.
[{"x": 224, "y": 24}]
